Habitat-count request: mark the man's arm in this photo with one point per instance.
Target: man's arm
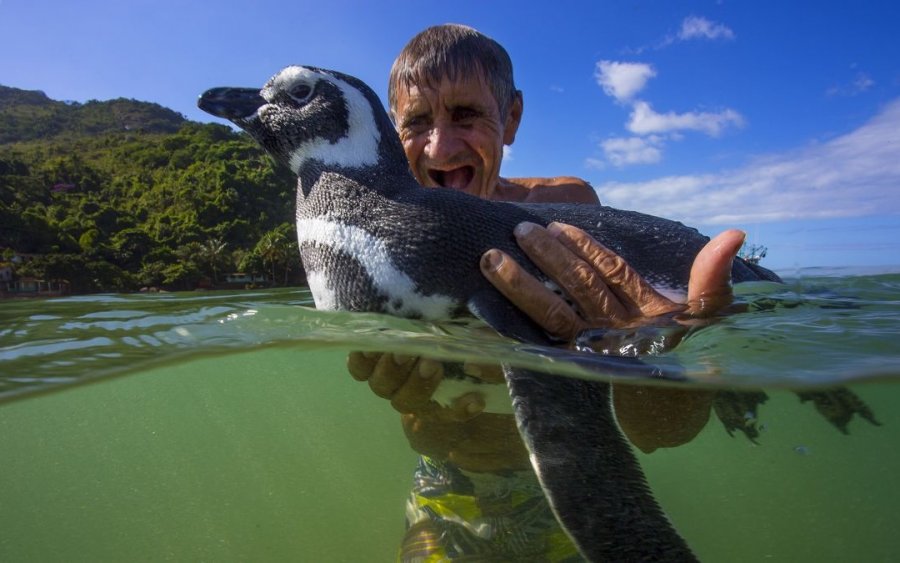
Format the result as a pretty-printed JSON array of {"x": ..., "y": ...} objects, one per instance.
[{"x": 560, "y": 189}]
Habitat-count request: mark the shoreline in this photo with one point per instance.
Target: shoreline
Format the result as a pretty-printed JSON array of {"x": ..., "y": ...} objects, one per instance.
[{"x": 5, "y": 296}]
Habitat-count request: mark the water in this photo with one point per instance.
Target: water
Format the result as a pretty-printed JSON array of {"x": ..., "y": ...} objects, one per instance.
[{"x": 224, "y": 427}]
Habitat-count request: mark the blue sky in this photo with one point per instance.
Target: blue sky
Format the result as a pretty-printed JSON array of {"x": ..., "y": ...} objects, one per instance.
[{"x": 781, "y": 118}]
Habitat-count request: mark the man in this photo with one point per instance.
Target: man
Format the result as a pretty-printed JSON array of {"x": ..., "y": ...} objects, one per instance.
[{"x": 454, "y": 103}]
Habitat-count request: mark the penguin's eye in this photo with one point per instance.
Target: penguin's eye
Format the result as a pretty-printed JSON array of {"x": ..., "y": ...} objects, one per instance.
[{"x": 301, "y": 92}]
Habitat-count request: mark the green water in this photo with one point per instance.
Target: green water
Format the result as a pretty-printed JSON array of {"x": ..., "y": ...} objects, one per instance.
[
  {"x": 223, "y": 427},
  {"x": 266, "y": 456}
]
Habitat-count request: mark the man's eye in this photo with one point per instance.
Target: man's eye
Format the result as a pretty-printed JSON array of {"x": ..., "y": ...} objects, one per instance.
[
  {"x": 464, "y": 114},
  {"x": 415, "y": 124}
]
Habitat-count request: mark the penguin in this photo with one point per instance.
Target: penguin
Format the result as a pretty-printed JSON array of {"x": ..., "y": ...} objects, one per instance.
[{"x": 372, "y": 239}]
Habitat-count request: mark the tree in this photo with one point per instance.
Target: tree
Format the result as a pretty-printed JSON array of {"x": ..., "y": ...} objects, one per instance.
[
  {"x": 134, "y": 186},
  {"x": 214, "y": 254},
  {"x": 278, "y": 250}
]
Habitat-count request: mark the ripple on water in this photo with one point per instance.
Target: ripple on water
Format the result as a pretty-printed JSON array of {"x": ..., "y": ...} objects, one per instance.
[{"x": 807, "y": 332}]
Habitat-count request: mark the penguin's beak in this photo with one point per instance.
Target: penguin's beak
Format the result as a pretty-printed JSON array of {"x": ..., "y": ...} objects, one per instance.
[{"x": 231, "y": 103}]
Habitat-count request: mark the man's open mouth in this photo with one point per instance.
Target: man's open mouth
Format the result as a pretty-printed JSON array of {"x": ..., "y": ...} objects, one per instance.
[{"x": 457, "y": 179}]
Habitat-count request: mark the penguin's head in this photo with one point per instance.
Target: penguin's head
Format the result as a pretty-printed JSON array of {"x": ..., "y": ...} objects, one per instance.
[{"x": 306, "y": 114}]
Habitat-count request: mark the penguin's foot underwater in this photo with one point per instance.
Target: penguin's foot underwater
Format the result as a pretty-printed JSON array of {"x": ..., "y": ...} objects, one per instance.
[
  {"x": 839, "y": 405},
  {"x": 736, "y": 410}
]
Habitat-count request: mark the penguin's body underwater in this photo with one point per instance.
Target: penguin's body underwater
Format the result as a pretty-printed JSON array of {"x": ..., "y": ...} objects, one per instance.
[{"x": 372, "y": 239}]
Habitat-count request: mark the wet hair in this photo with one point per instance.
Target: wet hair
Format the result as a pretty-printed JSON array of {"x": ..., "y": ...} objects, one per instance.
[{"x": 452, "y": 51}]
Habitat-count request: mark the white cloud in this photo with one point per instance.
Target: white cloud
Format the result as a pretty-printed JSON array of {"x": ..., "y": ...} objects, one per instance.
[
  {"x": 507, "y": 153},
  {"x": 644, "y": 121},
  {"x": 595, "y": 163},
  {"x": 620, "y": 151},
  {"x": 856, "y": 174},
  {"x": 622, "y": 80},
  {"x": 694, "y": 27},
  {"x": 861, "y": 83}
]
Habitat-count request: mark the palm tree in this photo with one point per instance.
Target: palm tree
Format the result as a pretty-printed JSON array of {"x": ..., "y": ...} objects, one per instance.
[
  {"x": 271, "y": 248},
  {"x": 213, "y": 252}
]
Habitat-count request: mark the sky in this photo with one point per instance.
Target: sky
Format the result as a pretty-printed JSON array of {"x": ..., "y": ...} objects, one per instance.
[{"x": 779, "y": 118}]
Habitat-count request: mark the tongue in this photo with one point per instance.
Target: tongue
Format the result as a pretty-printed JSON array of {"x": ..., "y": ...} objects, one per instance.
[{"x": 458, "y": 178}]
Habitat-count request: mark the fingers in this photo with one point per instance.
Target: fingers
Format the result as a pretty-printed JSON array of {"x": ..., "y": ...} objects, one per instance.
[
  {"x": 709, "y": 288},
  {"x": 635, "y": 294},
  {"x": 390, "y": 372},
  {"x": 408, "y": 382},
  {"x": 605, "y": 290},
  {"x": 361, "y": 364},
  {"x": 574, "y": 276},
  {"x": 543, "y": 306},
  {"x": 491, "y": 373},
  {"x": 414, "y": 393}
]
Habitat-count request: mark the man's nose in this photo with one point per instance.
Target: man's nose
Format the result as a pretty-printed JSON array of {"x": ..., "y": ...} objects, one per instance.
[{"x": 443, "y": 142}]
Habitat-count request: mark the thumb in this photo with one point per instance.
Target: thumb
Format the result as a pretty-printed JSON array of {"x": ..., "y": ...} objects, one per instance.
[{"x": 709, "y": 288}]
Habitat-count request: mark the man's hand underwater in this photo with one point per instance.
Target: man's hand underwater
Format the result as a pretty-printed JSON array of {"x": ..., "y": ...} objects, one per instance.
[{"x": 461, "y": 432}]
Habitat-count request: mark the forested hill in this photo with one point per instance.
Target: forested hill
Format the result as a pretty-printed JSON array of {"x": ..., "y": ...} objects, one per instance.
[
  {"x": 27, "y": 115},
  {"x": 121, "y": 194}
]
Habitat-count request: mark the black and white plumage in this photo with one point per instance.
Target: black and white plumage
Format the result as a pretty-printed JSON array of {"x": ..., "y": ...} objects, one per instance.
[{"x": 372, "y": 239}]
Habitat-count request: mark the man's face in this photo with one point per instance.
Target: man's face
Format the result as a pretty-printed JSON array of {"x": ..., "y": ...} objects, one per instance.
[{"x": 454, "y": 135}]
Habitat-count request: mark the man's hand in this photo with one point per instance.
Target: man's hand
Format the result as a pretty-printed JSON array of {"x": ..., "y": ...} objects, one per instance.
[
  {"x": 606, "y": 292},
  {"x": 460, "y": 433},
  {"x": 409, "y": 382}
]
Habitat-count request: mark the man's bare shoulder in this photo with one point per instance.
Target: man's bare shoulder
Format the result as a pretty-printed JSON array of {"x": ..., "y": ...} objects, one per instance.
[{"x": 561, "y": 189}]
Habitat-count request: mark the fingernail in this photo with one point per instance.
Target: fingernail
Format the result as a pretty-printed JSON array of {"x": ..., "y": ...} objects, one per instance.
[
  {"x": 474, "y": 407},
  {"x": 401, "y": 359},
  {"x": 428, "y": 369},
  {"x": 370, "y": 355},
  {"x": 492, "y": 260},
  {"x": 523, "y": 228}
]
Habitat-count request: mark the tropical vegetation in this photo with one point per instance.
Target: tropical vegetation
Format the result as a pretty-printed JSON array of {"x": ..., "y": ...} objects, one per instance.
[{"x": 123, "y": 194}]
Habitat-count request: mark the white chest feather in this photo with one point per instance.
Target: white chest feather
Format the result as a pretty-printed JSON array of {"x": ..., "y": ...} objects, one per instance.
[{"x": 404, "y": 297}]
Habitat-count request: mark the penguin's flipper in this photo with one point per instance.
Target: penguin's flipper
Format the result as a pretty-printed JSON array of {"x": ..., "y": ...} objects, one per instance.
[
  {"x": 504, "y": 317},
  {"x": 588, "y": 471},
  {"x": 586, "y": 468}
]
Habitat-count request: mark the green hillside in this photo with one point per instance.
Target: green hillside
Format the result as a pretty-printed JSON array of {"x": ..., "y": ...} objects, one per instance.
[{"x": 122, "y": 194}]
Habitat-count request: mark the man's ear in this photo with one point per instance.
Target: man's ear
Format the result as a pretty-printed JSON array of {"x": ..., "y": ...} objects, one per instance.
[{"x": 513, "y": 118}]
